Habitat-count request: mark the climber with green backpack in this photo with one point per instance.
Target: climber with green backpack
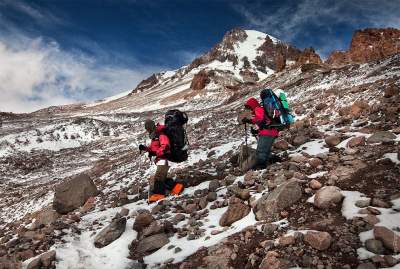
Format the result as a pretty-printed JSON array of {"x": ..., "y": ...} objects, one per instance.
[{"x": 271, "y": 116}]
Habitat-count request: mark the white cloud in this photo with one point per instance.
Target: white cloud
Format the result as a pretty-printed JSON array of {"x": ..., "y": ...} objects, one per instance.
[
  {"x": 293, "y": 21},
  {"x": 35, "y": 74}
]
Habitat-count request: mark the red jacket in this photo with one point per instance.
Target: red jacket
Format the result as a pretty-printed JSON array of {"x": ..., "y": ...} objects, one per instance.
[
  {"x": 160, "y": 144},
  {"x": 258, "y": 118}
]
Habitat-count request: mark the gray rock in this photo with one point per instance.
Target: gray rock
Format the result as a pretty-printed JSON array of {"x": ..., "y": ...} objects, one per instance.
[
  {"x": 327, "y": 197},
  {"x": 269, "y": 205},
  {"x": 269, "y": 228},
  {"x": 374, "y": 246},
  {"x": 110, "y": 233},
  {"x": 152, "y": 243},
  {"x": 213, "y": 185},
  {"x": 363, "y": 203},
  {"x": 247, "y": 158},
  {"x": 73, "y": 193},
  {"x": 142, "y": 221},
  {"x": 380, "y": 137},
  {"x": 367, "y": 265},
  {"x": 212, "y": 196}
]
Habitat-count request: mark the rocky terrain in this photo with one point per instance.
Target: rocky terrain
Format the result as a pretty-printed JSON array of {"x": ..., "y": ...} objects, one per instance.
[{"x": 73, "y": 185}]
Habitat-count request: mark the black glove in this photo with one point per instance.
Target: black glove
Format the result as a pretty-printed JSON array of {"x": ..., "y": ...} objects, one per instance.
[
  {"x": 253, "y": 131},
  {"x": 246, "y": 120},
  {"x": 142, "y": 147}
]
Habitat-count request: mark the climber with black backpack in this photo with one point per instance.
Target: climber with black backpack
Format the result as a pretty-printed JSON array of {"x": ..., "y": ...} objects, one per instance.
[
  {"x": 270, "y": 118},
  {"x": 168, "y": 143}
]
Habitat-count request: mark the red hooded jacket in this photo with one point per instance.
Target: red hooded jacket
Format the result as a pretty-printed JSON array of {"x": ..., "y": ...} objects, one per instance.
[
  {"x": 258, "y": 118},
  {"x": 160, "y": 144}
]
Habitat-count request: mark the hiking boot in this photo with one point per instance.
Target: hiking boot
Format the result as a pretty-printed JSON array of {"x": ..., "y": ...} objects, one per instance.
[
  {"x": 156, "y": 197},
  {"x": 178, "y": 188}
]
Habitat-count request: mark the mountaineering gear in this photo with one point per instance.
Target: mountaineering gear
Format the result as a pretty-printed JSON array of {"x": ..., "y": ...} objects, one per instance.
[
  {"x": 160, "y": 144},
  {"x": 156, "y": 197},
  {"x": 276, "y": 108},
  {"x": 261, "y": 119},
  {"x": 174, "y": 122},
  {"x": 263, "y": 152},
  {"x": 178, "y": 188}
]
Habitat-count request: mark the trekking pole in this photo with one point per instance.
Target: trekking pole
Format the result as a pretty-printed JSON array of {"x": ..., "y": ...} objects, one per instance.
[{"x": 245, "y": 133}]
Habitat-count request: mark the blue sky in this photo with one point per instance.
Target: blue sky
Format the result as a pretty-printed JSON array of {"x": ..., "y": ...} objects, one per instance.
[{"x": 68, "y": 50}]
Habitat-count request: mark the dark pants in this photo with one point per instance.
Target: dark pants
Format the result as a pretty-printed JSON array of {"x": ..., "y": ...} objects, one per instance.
[{"x": 263, "y": 152}]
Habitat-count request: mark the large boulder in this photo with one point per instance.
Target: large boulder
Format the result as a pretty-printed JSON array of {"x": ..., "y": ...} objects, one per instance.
[
  {"x": 44, "y": 217},
  {"x": 285, "y": 195},
  {"x": 382, "y": 136},
  {"x": 142, "y": 220},
  {"x": 389, "y": 238},
  {"x": 43, "y": 261},
  {"x": 235, "y": 212},
  {"x": 152, "y": 243},
  {"x": 73, "y": 193},
  {"x": 332, "y": 140},
  {"x": 247, "y": 158},
  {"x": 328, "y": 197},
  {"x": 110, "y": 233}
]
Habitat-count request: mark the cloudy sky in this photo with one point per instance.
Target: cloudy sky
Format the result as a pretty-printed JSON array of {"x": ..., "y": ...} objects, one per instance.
[{"x": 65, "y": 51}]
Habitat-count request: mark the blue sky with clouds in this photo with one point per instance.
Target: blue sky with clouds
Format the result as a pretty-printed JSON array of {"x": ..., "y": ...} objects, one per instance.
[{"x": 56, "y": 52}]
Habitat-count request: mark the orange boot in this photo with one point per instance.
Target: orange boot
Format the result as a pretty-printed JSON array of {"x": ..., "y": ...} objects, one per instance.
[
  {"x": 156, "y": 197},
  {"x": 177, "y": 189}
]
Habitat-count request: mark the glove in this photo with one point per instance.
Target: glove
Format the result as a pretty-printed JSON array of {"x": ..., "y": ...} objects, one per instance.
[
  {"x": 254, "y": 132},
  {"x": 246, "y": 120},
  {"x": 142, "y": 147}
]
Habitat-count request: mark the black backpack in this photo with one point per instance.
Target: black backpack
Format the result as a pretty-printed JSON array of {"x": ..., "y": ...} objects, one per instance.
[{"x": 174, "y": 129}]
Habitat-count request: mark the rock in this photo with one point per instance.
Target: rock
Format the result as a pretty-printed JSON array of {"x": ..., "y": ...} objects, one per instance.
[
  {"x": 391, "y": 91},
  {"x": 243, "y": 194},
  {"x": 380, "y": 137},
  {"x": 281, "y": 144},
  {"x": 318, "y": 240},
  {"x": 379, "y": 203},
  {"x": 178, "y": 218},
  {"x": 358, "y": 107},
  {"x": 271, "y": 204},
  {"x": 110, "y": 233},
  {"x": 43, "y": 261},
  {"x": 212, "y": 196},
  {"x": 45, "y": 216},
  {"x": 356, "y": 142},
  {"x": 190, "y": 208},
  {"x": 124, "y": 212},
  {"x": 271, "y": 261},
  {"x": 247, "y": 158},
  {"x": 152, "y": 243},
  {"x": 153, "y": 228},
  {"x": 367, "y": 265},
  {"x": 327, "y": 197},
  {"x": 371, "y": 219},
  {"x": 363, "y": 203},
  {"x": 299, "y": 140},
  {"x": 235, "y": 212},
  {"x": 200, "y": 80},
  {"x": 332, "y": 140},
  {"x": 286, "y": 240},
  {"x": 315, "y": 162},
  {"x": 142, "y": 220},
  {"x": 389, "y": 238},
  {"x": 73, "y": 193},
  {"x": 315, "y": 184},
  {"x": 375, "y": 246},
  {"x": 390, "y": 260},
  {"x": 269, "y": 228},
  {"x": 213, "y": 185}
]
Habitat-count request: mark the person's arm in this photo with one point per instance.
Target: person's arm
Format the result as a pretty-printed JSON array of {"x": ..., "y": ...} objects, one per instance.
[
  {"x": 164, "y": 146},
  {"x": 258, "y": 116}
]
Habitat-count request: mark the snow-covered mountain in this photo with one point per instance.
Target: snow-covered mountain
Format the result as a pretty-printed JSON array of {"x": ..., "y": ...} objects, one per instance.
[{"x": 332, "y": 201}]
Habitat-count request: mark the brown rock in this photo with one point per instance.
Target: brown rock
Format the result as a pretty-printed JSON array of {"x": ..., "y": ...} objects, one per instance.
[
  {"x": 142, "y": 220},
  {"x": 286, "y": 240},
  {"x": 389, "y": 238},
  {"x": 327, "y": 197},
  {"x": 234, "y": 213},
  {"x": 281, "y": 144},
  {"x": 332, "y": 140},
  {"x": 380, "y": 137},
  {"x": 391, "y": 91},
  {"x": 146, "y": 84},
  {"x": 152, "y": 243},
  {"x": 315, "y": 184},
  {"x": 45, "y": 216},
  {"x": 318, "y": 240},
  {"x": 110, "y": 233},
  {"x": 315, "y": 162},
  {"x": 200, "y": 80},
  {"x": 308, "y": 56},
  {"x": 356, "y": 141},
  {"x": 371, "y": 219},
  {"x": 272, "y": 261},
  {"x": 73, "y": 193}
]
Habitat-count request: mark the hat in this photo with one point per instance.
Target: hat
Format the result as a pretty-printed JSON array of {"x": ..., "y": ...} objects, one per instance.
[{"x": 150, "y": 126}]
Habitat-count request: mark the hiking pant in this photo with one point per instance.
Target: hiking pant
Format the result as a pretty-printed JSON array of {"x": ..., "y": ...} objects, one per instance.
[
  {"x": 157, "y": 182},
  {"x": 263, "y": 152}
]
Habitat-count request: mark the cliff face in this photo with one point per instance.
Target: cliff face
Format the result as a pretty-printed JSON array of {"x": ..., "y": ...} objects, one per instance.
[{"x": 368, "y": 45}]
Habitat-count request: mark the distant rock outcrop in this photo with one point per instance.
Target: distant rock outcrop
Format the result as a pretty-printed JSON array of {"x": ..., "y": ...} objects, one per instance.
[{"x": 368, "y": 45}]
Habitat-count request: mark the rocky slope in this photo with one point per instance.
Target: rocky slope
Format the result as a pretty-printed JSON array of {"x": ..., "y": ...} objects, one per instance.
[{"x": 333, "y": 200}]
